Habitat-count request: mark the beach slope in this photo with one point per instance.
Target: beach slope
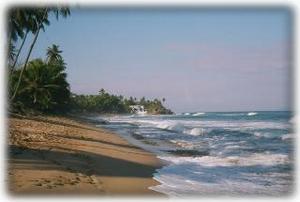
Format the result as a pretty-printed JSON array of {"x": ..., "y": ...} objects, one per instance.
[{"x": 57, "y": 155}]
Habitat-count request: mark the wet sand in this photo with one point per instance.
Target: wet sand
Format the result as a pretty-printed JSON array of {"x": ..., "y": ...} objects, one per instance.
[{"x": 58, "y": 155}]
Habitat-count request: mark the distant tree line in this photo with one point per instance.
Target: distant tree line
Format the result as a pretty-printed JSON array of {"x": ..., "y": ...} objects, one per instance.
[{"x": 104, "y": 102}]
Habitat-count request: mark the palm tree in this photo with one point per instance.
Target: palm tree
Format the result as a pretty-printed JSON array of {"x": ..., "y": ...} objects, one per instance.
[
  {"x": 23, "y": 21},
  {"x": 16, "y": 24},
  {"x": 53, "y": 54},
  {"x": 15, "y": 30},
  {"x": 61, "y": 11},
  {"x": 102, "y": 91},
  {"x": 11, "y": 53},
  {"x": 41, "y": 17},
  {"x": 45, "y": 86}
]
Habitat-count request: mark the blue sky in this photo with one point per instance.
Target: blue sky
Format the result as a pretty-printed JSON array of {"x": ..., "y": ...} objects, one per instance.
[{"x": 199, "y": 59}]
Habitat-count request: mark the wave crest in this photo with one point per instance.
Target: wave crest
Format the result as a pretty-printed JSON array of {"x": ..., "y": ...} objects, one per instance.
[
  {"x": 264, "y": 159},
  {"x": 287, "y": 136},
  {"x": 199, "y": 114}
]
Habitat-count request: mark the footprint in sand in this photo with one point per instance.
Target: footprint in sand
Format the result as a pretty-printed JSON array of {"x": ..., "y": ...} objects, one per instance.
[{"x": 49, "y": 184}]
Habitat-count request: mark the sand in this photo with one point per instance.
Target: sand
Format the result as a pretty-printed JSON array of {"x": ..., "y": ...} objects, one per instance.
[{"x": 58, "y": 155}]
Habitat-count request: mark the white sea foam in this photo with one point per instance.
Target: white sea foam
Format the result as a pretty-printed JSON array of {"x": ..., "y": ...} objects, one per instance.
[
  {"x": 263, "y": 134},
  {"x": 184, "y": 144},
  {"x": 233, "y": 147},
  {"x": 252, "y": 113},
  {"x": 224, "y": 171},
  {"x": 175, "y": 185},
  {"x": 270, "y": 135},
  {"x": 178, "y": 127},
  {"x": 245, "y": 173},
  {"x": 218, "y": 176},
  {"x": 199, "y": 145},
  {"x": 199, "y": 114},
  {"x": 196, "y": 131},
  {"x": 287, "y": 136},
  {"x": 294, "y": 119},
  {"x": 254, "y": 159},
  {"x": 231, "y": 114},
  {"x": 216, "y": 124}
]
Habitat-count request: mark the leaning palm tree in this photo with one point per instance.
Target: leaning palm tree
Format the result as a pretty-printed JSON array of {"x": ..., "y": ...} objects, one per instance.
[
  {"x": 11, "y": 53},
  {"x": 16, "y": 24},
  {"x": 42, "y": 16},
  {"x": 53, "y": 54},
  {"x": 24, "y": 20}
]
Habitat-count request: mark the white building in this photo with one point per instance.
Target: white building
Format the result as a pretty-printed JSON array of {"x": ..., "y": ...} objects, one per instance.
[{"x": 138, "y": 109}]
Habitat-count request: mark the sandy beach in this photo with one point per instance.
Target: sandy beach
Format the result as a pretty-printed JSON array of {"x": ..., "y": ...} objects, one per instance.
[{"x": 57, "y": 155}]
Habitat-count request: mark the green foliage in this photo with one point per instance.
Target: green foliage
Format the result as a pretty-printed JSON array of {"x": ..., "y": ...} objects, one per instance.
[
  {"x": 108, "y": 103},
  {"x": 101, "y": 103},
  {"x": 43, "y": 88},
  {"x": 53, "y": 54},
  {"x": 22, "y": 20},
  {"x": 11, "y": 53},
  {"x": 43, "y": 95},
  {"x": 155, "y": 106}
]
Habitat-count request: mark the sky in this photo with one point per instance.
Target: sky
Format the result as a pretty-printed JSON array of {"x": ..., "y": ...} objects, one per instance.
[{"x": 197, "y": 59}]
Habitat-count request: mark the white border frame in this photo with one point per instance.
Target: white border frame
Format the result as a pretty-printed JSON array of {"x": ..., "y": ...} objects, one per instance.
[{"x": 4, "y": 5}]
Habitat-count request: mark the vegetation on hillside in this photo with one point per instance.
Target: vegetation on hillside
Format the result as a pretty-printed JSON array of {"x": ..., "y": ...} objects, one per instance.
[{"x": 104, "y": 102}]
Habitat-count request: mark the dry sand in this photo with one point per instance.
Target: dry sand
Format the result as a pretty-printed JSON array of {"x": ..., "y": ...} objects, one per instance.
[{"x": 55, "y": 155}]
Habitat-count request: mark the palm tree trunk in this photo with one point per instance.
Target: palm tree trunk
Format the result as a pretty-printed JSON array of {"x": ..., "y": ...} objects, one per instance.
[
  {"x": 9, "y": 36},
  {"x": 19, "y": 51},
  {"x": 28, "y": 56},
  {"x": 25, "y": 65}
]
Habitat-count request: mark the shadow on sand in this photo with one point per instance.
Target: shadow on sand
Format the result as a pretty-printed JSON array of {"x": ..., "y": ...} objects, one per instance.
[{"x": 78, "y": 161}]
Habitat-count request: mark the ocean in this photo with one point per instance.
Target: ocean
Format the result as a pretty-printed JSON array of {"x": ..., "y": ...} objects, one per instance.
[{"x": 215, "y": 153}]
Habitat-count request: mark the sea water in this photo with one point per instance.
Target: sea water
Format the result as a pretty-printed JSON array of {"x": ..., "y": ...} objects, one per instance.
[{"x": 216, "y": 153}]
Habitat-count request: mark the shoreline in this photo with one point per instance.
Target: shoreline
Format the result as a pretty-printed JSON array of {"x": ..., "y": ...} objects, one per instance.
[{"x": 69, "y": 155}]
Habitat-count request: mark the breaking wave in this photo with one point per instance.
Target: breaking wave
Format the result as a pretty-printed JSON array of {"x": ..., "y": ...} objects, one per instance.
[
  {"x": 251, "y": 113},
  {"x": 219, "y": 153},
  {"x": 265, "y": 159},
  {"x": 199, "y": 114}
]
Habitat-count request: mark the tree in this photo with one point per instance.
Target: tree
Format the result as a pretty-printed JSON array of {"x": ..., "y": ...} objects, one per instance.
[
  {"x": 108, "y": 103},
  {"x": 102, "y": 91},
  {"x": 11, "y": 53},
  {"x": 41, "y": 18},
  {"x": 53, "y": 54},
  {"x": 21, "y": 22},
  {"x": 142, "y": 101},
  {"x": 44, "y": 87},
  {"x": 16, "y": 24}
]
